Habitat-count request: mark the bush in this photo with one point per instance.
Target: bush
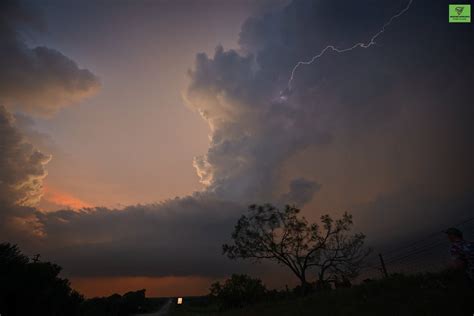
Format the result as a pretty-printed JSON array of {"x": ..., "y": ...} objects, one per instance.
[{"x": 238, "y": 291}]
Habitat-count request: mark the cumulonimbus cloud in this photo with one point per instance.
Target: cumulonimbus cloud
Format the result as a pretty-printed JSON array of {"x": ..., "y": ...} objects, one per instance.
[
  {"x": 22, "y": 171},
  {"x": 363, "y": 98},
  {"x": 252, "y": 134},
  {"x": 22, "y": 167}
]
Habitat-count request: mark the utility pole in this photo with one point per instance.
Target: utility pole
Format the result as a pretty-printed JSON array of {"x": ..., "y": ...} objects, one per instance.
[
  {"x": 384, "y": 268},
  {"x": 36, "y": 258}
]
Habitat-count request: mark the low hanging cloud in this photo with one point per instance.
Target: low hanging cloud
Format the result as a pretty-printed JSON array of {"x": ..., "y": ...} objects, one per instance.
[
  {"x": 392, "y": 124},
  {"x": 37, "y": 80},
  {"x": 182, "y": 236}
]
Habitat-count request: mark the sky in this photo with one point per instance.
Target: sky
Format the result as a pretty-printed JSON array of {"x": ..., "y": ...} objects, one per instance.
[
  {"x": 133, "y": 134},
  {"x": 153, "y": 45}
]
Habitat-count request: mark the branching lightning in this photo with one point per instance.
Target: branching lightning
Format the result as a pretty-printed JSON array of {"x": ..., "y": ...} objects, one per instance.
[{"x": 337, "y": 50}]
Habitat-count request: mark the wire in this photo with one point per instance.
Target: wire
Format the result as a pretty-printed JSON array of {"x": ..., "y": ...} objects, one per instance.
[{"x": 423, "y": 255}]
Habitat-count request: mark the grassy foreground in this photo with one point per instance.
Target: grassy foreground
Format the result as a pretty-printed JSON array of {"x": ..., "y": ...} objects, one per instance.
[{"x": 427, "y": 294}]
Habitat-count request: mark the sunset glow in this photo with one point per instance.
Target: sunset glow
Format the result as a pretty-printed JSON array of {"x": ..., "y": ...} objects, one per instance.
[
  {"x": 56, "y": 199},
  {"x": 156, "y": 286}
]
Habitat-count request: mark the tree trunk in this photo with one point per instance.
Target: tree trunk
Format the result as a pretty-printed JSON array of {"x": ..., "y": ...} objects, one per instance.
[
  {"x": 321, "y": 283},
  {"x": 304, "y": 285}
]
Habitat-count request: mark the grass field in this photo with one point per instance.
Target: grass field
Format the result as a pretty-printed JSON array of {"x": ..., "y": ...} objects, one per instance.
[{"x": 429, "y": 294}]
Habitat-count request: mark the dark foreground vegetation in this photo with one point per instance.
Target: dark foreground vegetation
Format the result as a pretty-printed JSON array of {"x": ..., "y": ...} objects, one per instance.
[
  {"x": 121, "y": 305},
  {"x": 445, "y": 293},
  {"x": 329, "y": 253},
  {"x": 326, "y": 252},
  {"x": 34, "y": 288}
]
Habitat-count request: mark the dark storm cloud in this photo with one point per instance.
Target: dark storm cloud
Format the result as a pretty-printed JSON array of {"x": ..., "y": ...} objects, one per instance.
[
  {"x": 38, "y": 80},
  {"x": 301, "y": 192},
  {"x": 177, "y": 237},
  {"x": 252, "y": 133},
  {"x": 400, "y": 108},
  {"x": 407, "y": 215}
]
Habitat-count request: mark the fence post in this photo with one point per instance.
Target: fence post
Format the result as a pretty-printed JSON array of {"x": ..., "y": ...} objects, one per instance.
[{"x": 384, "y": 268}]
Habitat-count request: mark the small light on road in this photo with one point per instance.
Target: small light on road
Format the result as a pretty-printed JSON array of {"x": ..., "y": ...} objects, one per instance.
[{"x": 180, "y": 300}]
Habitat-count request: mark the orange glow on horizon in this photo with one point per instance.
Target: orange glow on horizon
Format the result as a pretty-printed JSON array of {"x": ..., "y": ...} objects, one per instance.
[
  {"x": 169, "y": 286},
  {"x": 58, "y": 198}
]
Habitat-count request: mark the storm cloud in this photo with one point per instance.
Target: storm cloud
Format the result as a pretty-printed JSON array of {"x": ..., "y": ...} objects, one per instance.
[
  {"x": 301, "y": 192},
  {"x": 182, "y": 236},
  {"x": 22, "y": 171},
  {"x": 22, "y": 167},
  {"x": 397, "y": 113},
  {"x": 386, "y": 131},
  {"x": 36, "y": 80},
  {"x": 252, "y": 134}
]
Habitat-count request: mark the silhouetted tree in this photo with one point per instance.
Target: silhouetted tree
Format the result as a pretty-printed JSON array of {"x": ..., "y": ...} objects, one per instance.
[
  {"x": 33, "y": 288},
  {"x": 267, "y": 232},
  {"x": 342, "y": 255}
]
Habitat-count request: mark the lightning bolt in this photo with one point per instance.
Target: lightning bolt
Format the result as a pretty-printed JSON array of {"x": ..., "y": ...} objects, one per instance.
[{"x": 338, "y": 50}]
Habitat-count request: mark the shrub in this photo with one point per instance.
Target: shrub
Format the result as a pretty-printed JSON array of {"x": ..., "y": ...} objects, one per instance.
[{"x": 238, "y": 291}]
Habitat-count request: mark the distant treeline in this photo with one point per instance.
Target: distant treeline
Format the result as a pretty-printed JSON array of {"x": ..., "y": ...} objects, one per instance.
[
  {"x": 120, "y": 305},
  {"x": 30, "y": 287}
]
